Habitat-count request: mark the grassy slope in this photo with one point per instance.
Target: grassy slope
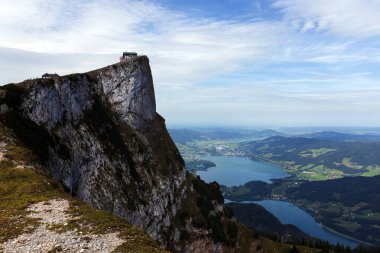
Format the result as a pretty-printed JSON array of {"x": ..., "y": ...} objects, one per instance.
[
  {"x": 273, "y": 247},
  {"x": 20, "y": 186}
]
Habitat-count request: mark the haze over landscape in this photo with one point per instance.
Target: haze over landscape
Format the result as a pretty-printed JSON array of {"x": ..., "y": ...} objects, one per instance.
[
  {"x": 220, "y": 126},
  {"x": 250, "y": 63}
]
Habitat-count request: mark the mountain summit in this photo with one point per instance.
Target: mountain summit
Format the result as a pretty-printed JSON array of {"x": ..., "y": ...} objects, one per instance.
[{"x": 98, "y": 134}]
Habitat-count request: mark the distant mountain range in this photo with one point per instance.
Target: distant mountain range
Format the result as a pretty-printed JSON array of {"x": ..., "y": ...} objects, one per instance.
[
  {"x": 320, "y": 155},
  {"x": 339, "y": 198},
  {"x": 337, "y": 136},
  {"x": 183, "y": 135},
  {"x": 349, "y": 205},
  {"x": 312, "y": 156},
  {"x": 186, "y": 135}
]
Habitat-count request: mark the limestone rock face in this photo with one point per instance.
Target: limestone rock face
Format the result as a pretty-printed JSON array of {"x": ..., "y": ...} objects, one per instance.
[
  {"x": 129, "y": 90},
  {"x": 99, "y": 135}
]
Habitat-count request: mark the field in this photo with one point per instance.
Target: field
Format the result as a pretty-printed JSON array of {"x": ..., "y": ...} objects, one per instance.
[
  {"x": 314, "y": 159},
  {"x": 308, "y": 164},
  {"x": 347, "y": 204}
]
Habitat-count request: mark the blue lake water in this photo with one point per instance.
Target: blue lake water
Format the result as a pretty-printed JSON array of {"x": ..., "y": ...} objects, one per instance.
[
  {"x": 232, "y": 171},
  {"x": 288, "y": 213}
]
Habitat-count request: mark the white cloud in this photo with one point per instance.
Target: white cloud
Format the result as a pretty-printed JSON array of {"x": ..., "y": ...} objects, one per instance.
[
  {"x": 309, "y": 25},
  {"x": 266, "y": 103},
  {"x": 349, "y": 18},
  {"x": 66, "y": 36},
  {"x": 182, "y": 49}
]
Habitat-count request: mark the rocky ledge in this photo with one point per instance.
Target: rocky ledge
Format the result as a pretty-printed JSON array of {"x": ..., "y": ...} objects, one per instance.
[{"x": 99, "y": 135}]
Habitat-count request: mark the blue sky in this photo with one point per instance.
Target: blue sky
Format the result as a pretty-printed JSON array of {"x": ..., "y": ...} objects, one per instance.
[{"x": 250, "y": 63}]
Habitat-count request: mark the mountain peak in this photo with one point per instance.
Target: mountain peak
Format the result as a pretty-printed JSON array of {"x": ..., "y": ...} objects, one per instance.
[{"x": 99, "y": 136}]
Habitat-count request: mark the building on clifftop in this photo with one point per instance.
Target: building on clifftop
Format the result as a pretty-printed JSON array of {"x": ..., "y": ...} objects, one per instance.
[{"x": 127, "y": 55}]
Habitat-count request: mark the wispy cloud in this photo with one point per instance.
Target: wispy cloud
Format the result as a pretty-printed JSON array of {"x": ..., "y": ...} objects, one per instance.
[
  {"x": 182, "y": 49},
  {"x": 273, "y": 103},
  {"x": 351, "y": 18},
  {"x": 307, "y": 58}
]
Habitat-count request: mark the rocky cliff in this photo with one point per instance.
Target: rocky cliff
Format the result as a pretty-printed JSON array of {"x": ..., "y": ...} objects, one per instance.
[{"x": 99, "y": 135}]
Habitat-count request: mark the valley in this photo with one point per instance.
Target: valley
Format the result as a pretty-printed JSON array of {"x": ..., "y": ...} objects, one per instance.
[
  {"x": 316, "y": 156},
  {"x": 349, "y": 205},
  {"x": 316, "y": 159},
  {"x": 333, "y": 176},
  {"x": 216, "y": 126}
]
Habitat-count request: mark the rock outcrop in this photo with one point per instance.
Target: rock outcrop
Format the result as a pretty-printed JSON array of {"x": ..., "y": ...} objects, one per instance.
[{"x": 99, "y": 135}]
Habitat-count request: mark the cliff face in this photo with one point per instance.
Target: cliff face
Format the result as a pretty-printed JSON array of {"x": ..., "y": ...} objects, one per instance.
[{"x": 99, "y": 135}]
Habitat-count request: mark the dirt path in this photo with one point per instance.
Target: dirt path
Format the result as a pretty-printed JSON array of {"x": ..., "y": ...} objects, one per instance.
[
  {"x": 43, "y": 239},
  {"x": 2, "y": 150}
]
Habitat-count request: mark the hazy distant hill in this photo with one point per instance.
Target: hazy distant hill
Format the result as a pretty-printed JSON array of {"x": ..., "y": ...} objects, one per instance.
[
  {"x": 349, "y": 205},
  {"x": 257, "y": 217},
  {"x": 186, "y": 135},
  {"x": 337, "y": 136},
  {"x": 330, "y": 155}
]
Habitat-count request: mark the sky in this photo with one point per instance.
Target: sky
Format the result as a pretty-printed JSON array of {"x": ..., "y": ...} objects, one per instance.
[{"x": 229, "y": 63}]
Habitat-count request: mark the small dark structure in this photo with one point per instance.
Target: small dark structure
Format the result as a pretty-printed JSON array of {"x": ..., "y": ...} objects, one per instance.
[
  {"x": 46, "y": 75},
  {"x": 127, "y": 55}
]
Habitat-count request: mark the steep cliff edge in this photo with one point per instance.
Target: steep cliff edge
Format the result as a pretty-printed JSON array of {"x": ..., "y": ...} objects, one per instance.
[
  {"x": 99, "y": 135},
  {"x": 37, "y": 215}
]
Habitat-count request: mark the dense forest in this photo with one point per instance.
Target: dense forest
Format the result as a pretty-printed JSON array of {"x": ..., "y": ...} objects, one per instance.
[
  {"x": 349, "y": 205},
  {"x": 313, "y": 155}
]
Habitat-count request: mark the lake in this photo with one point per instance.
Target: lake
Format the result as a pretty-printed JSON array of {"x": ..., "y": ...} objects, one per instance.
[
  {"x": 231, "y": 170},
  {"x": 288, "y": 213}
]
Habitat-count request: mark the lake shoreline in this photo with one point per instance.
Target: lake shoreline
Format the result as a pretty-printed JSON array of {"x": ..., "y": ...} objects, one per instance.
[
  {"x": 259, "y": 159},
  {"x": 328, "y": 228},
  {"x": 345, "y": 236},
  {"x": 237, "y": 165},
  {"x": 237, "y": 170},
  {"x": 308, "y": 212}
]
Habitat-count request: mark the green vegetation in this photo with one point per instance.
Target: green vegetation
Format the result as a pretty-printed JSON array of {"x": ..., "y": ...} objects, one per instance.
[
  {"x": 241, "y": 191},
  {"x": 256, "y": 217},
  {"x": 184, "y": 136},
  {"x": 21, "y": 186},
  {"x": 314, "y": 152},
  {"x": 373, "y": 170},
  {"x": 350, "y": 205},
  {"x": 198, "y": 207},
  {"x": 347, "y": 162},
  {"x": 316, "y": 159},
  {"x": 199, "y": 148},
  {"x": 271, "y": 246},
  {"x": 193, "y": 144},
  {"x": 328, "y": 156},
  {"x": 199, "y": 164},
  {"x": 191, "y": 151}
]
